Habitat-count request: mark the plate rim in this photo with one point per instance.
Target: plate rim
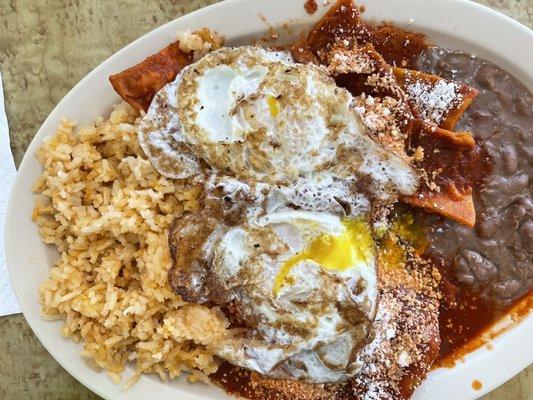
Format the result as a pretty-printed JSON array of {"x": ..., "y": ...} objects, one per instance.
[{"x": 41, "y": 134}]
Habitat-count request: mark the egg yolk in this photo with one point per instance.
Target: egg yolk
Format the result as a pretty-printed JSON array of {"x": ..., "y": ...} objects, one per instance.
[
  {"x": 391, "y": 252},
  {"x": 273, "y": 106},
  {"x": 411, "y": 231},
  {"x": 339, "y": 253}
]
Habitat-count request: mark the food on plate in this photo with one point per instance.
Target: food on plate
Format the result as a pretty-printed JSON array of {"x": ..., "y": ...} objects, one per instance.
[
  {"x": 256, "y": 115},
  {"x": 107, "y": 211},
  {"x": 137, "y": 87},
  {"x": 302, "y": 285},
  {"x": 320, "y": 220},
  {"x": 453, "y": 163},
  {"x": 435, "y": 99}
]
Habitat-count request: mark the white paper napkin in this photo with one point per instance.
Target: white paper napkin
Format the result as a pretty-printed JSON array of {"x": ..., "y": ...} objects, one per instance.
[{"x": 8, "y": 302}]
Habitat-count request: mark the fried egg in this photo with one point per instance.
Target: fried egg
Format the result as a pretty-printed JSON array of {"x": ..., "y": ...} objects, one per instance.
[
  {"x": 283, "y": 241},
  {"x": 302, "y": 284},
  {"x": 258, "y": 116}
]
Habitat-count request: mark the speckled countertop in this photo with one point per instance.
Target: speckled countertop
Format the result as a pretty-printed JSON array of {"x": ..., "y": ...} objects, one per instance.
[{"x": 46, "y": 47}]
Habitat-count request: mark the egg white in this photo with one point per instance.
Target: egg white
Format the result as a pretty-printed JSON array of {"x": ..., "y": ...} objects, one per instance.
[
  {"x": 256, "y": 115},
  {"x": 248, "y": 259},
  {"x": 286, "y": 153}
]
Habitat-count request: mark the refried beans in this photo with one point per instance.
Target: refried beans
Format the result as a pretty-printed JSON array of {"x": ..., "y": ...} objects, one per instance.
[
  {"x": 496, "y": 257},
  {"x": 488, "y": 268}
]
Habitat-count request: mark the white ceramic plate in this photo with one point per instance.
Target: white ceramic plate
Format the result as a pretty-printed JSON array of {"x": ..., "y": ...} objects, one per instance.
[{"x": 455, "y": 24}]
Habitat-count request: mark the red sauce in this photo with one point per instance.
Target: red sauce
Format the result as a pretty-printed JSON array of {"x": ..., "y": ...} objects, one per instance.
[
  {"x": 398, "y": 47},
  {"x": 311, "y": 6},
  {"x": 477, "y": 327},
  {"x": 476, "y": 385},
  {"x": 458, "y": 164},
  {"x": 138, "y": 84},
  {"x": 465, "y": 316},
  {"x": 234, "y": 380}
]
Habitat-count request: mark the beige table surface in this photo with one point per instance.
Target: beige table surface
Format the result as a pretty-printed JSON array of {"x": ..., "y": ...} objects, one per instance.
[{"x": 46, "y": 47}]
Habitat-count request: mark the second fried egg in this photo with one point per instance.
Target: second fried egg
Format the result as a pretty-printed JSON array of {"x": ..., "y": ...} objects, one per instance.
[{"x": 303, "y": 285}]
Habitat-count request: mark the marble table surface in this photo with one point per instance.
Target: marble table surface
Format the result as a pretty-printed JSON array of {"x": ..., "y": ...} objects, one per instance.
[{"x": 46, "y": 47}]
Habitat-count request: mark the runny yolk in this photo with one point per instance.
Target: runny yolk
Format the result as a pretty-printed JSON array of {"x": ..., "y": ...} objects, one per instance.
[
  {"x": 411, "y": 231},
  {"x": 339, "y": 253},
  {"x": 391, "y": 252},
  {"x": 273, "y": 106}
]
